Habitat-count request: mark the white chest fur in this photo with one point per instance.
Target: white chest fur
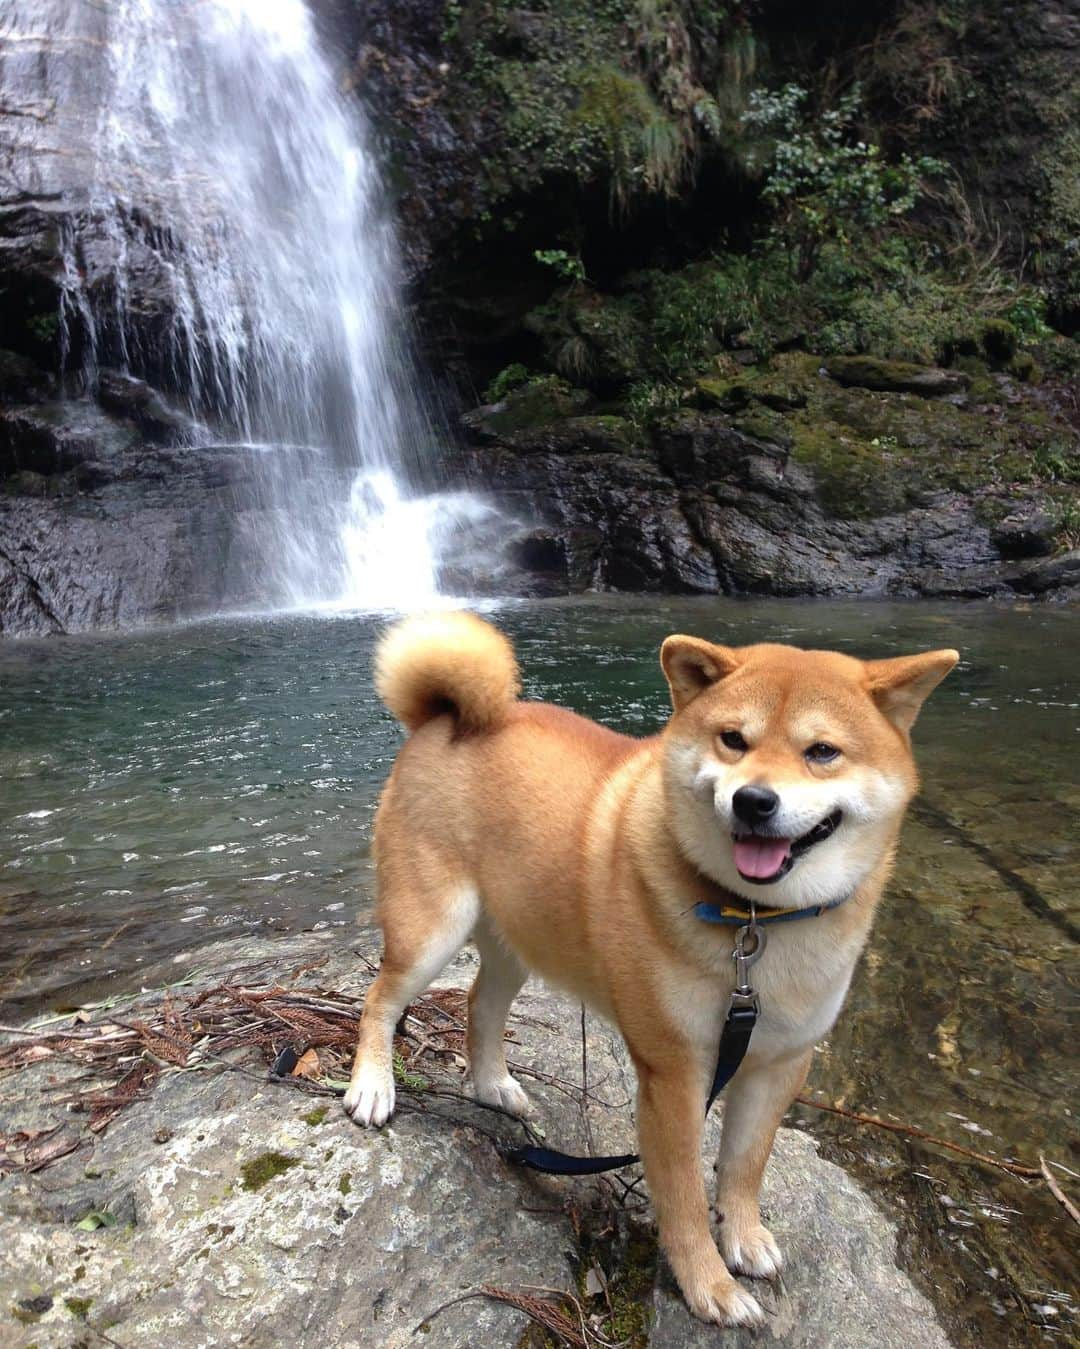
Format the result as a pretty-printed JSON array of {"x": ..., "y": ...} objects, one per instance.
[{"x": 801, "y": 981}]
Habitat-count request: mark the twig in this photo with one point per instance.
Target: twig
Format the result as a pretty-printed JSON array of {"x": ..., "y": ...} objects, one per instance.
[
  {"x": 584, "y": 1102},
  {"x": 1014, "y": 1168},
  {"x": 544, "y": 1313},
  {"x": 1058, "y": 1193}
]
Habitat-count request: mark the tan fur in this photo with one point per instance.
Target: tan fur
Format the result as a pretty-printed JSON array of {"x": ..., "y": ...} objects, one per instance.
[
  {"x": 563, "y": 848},
  {"x": 444, "y": 662}
]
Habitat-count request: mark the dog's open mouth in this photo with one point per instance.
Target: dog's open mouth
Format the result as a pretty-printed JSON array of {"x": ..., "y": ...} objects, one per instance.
[{"x": 763, "y": 859}]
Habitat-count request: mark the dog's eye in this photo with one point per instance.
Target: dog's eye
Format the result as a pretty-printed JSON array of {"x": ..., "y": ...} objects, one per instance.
[
  {"x": 822, "y": 753},
  {"x": 733, "y": 740}
]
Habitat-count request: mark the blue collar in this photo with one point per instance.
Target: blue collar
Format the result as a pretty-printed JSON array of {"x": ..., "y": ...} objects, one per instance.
[{"x": 734, "y": 915}]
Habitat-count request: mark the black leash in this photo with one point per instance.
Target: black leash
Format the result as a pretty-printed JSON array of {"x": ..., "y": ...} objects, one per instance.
[{"x": 742, "y": 1015}]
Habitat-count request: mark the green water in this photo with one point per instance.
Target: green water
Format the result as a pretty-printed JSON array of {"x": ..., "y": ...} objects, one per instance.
[{"x": 161, "y": 790}]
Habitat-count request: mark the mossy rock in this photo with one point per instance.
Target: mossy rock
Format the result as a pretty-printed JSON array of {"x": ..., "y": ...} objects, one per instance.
[
  {"x": 999, "y": 341},
  {"x": 591, "y": 338},
  {"x": 871, "y": 372},
  {"x": 1024, "y": 366},
  {"x": 537, "y": 403},
  {"x": 733, "y": 395}
]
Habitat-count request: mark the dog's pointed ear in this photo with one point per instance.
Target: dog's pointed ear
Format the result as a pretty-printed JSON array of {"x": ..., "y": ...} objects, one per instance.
[
  {"x": 691, "y": 664},
  {"x": 900, "y": 686}
]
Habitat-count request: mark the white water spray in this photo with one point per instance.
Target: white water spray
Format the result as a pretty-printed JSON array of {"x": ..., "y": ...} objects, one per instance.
[{"x": 234, "y": 248}]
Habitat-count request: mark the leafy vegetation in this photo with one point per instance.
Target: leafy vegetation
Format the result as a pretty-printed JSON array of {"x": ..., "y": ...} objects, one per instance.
[
  {"x": 822, "y": 180},
  {"x": 622, "y": 92},
  {"x": 890, "y": 298}
]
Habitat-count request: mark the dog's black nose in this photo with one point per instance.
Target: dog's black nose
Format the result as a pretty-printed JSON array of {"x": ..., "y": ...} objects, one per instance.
[{"x": 755, "y": 805}]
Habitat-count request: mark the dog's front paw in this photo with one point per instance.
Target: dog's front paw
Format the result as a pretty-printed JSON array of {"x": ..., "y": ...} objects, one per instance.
[
  {"x": 370, "y": 1098},
  {"x": 750, "y": 1250},
  {"x": 502, "y": 1092},
  {"x": 723, "y": 1301}
]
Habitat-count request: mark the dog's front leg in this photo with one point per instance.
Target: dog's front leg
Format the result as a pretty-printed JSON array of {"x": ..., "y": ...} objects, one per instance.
[
  {"x": 670, "y": 1124},
  {"x": 754, "y": 1105}
]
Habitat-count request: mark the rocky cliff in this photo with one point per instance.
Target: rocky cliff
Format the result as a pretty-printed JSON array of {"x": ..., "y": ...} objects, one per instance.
[{"x": 589, "y": 239}]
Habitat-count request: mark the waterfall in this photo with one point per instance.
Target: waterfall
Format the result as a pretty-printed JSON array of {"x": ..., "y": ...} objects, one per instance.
[{"x": 234, "y": 249}]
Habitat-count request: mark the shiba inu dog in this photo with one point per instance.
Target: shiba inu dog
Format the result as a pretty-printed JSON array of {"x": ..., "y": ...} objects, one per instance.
[{"x": 561, "y": 847}]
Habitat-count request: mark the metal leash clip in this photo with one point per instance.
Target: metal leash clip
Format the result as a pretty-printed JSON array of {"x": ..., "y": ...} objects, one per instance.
[{"x": 744, "y": 995}]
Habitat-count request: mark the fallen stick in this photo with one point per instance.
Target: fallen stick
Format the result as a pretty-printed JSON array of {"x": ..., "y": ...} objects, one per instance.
[
  {"x": 913, "y": 1131},
  {"x": 1058, "y": 1193}
]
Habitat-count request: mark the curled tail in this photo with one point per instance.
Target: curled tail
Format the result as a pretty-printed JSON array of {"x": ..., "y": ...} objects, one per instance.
[{"x": 442, "y": 663}]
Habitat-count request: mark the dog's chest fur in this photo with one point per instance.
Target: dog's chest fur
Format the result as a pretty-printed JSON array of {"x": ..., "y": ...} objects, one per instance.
[{"x": 801, "y": 981}]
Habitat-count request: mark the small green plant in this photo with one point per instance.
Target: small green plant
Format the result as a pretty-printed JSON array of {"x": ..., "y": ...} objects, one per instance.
[
  {"x": 508, "y": 379},
  {"x": 823, "y": 182},
  {"x": 1067, "y": 525},
  {"x": 44, "y": 327},
  {"x": 407, "y": 1078},
  {"x": 1056, "y": 460},
  {"x": 1027, "y": 314},
  {"x": 567, "y": 265},
  {"x": 648, "y": 399}
]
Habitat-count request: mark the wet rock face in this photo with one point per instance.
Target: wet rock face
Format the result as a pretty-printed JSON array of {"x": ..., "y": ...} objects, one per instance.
[
  {"x": 698, "y": 505},
  {"x": 113, "y": 521},
  {"x": 236, "y": 1211}
]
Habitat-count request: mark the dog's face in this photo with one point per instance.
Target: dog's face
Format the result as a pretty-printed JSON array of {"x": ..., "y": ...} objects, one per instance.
[{"x": 787, "y": 771}]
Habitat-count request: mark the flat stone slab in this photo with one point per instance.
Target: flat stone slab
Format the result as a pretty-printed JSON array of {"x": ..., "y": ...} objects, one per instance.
[{"x": 240, "y": 1211}]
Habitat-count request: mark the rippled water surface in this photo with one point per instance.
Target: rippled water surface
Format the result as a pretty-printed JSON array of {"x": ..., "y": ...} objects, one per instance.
[{"x": 161, "y": 790}]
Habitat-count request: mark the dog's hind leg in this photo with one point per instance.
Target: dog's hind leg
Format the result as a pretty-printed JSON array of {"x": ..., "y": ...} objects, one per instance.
[
  {"x": 496, "y": 985},
  {"x": 421, "y": 933}
]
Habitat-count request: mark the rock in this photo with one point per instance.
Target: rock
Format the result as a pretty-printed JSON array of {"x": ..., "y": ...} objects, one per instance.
[
  {"x": 106, "y": 531},
  {"x": 535, "y": 416},
  {"x": 703, "y": 506},
  {"x": 880, "y": 1306},
  {"x": 237, "y": 1213},
  {"x": 1027, "y": 533},
  {"x": 52, "y": 438},
  {"x": 870, "y": 372},
  {"x": 1051, "y": 573},
  {"x": 735, "y": 394},
  {"x": 22, "y": 380},
  {"x": 142, "y": 404}
]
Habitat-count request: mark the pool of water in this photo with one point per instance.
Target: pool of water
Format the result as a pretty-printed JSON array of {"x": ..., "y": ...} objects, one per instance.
[{"x": 172, "y": 787}]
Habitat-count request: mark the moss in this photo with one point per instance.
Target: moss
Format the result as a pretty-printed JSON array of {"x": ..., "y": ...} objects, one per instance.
[
  {"x": 615, "y": 94},
  {"x": 853, "y": 475},
  {"x": 999, "y": 340},
  {"x": 1023, "y": 366},
  {"x": 628, "y": 1259},
  {"x": 763, "y": 387},
  {"x": 345, "y": 1182},
  {"x": 79, "y": 1307},
  {"x": 316, "y": 1116},
  {"x": 538, "y": 403},
  {"x": 872, "y": 372},
  {"x": 1056, "y": 256},
  {"x": 262, "y": 1169}
]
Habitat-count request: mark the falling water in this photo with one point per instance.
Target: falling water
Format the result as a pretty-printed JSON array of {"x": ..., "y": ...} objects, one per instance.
[{"x": 233, "y": 249}]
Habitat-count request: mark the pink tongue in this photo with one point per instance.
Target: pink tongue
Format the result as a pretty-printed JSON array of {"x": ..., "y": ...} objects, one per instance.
[{"x": 761, "y": 857}]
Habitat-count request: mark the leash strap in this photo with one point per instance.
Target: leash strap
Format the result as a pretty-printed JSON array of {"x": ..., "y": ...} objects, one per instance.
[{"x": 734, "y": 1042}]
